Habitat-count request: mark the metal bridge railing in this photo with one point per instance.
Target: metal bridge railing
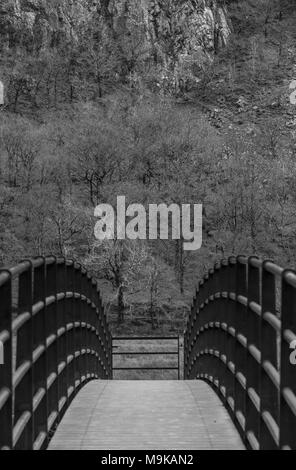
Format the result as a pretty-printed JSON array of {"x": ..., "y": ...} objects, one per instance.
[
  {"x": 238, "y": 339},
  {"x": 55, "y": 339}
]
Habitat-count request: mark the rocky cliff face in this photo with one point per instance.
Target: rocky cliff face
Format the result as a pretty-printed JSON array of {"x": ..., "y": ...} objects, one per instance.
[
  {"x": 182, "y": 34},
  {"x": 41, "y": 23}
]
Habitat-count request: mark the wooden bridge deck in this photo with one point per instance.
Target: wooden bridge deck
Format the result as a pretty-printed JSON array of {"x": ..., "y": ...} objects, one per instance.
[{"x": 127, "y": 415}]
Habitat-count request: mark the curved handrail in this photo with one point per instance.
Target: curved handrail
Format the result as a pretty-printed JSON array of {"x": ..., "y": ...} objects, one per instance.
[
  {"x": 55, "y": 339},
  {"x": 238, "y": 337}
]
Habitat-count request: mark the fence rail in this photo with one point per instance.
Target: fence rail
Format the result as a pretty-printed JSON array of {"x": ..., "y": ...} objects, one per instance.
[
  {"x": 238, "y": 339},
  {"x": 161, "y": 367},
  {"x": 55, "y": 339}
]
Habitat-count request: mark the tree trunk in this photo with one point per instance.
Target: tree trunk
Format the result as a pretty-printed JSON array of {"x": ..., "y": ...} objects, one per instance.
[
  {"x": 120, "y": 304},
  {"x": 179, "y": 263}
]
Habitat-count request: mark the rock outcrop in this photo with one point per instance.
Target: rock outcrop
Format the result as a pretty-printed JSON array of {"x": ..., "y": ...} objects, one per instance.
[
  {"x": 41, "y": 23},
  {"x": 182, "y": 34}
]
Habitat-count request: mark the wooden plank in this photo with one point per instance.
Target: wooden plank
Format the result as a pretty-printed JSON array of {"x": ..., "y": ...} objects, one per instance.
[{"x": 167, "y": 415}]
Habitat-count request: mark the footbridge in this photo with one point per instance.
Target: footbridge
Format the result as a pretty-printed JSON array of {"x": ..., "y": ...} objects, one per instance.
[{"x": 235, "y": 383}]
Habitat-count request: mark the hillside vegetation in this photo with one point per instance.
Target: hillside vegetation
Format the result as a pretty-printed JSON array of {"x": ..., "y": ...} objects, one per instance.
[{"x": 159, "y": 102}]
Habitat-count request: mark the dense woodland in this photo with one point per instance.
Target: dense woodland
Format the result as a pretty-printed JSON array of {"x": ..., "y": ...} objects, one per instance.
[{"x": 92, "y": 117}]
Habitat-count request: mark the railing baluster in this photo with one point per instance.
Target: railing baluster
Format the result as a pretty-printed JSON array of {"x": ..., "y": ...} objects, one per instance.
[
  {"x": 79, "y": 337},
  {"x": 69, "y": 288},
  {"x": 23, "y": 394},
  {"x": 6, "y": 368},
  {"x": 269, "y": 399},
  {"x": 63, "y": 342},
  {"x": 288, "y": 366},
  {"x": 253, "y": 341},
  {"x": 40, "y": 347},
  {"x": 240, "y": 353},
  {"x": 52, "y": 349}
]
